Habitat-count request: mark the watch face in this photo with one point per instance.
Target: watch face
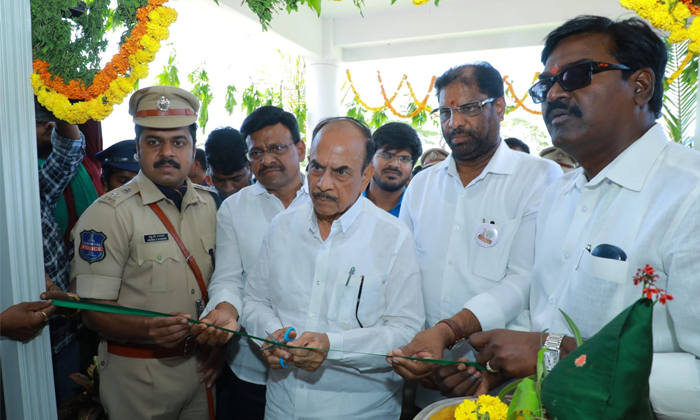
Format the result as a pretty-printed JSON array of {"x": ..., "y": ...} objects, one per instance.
[{"x": 550, "y": 359}]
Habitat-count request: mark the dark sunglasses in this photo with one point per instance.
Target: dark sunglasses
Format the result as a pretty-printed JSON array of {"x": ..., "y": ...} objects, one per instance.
[{"x": 575, "y": 77}]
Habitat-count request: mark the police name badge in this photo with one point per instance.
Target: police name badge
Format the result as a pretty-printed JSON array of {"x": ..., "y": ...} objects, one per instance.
[
  {"x": 486, "y": 235},
  {"x": 92, "y": 247}
]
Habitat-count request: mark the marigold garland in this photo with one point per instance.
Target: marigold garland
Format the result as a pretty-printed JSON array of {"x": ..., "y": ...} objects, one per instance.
[
  {"x": 679, "y": 18},
  {"x": 388, "y": 102},
  {"x": 116, "y": 80},
  {"x": 519, "y": 103}
]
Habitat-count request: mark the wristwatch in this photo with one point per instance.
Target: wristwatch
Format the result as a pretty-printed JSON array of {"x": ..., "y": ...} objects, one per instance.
[
  {"x": 460, "y": 336},
  {"x": 553, "y": 352}
]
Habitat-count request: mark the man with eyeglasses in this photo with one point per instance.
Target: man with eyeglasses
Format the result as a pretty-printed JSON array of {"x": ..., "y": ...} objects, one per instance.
[
  {"x": 473, "y": 221},
  {"x": 275, "y": 150},
  {"x": 398, "y": 147},
  {"x": 344, "y": 274},
  {"x": 635, "y": 193}
]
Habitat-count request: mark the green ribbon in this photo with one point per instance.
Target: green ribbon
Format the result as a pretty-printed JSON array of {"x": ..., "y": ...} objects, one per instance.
[{"x": 125, "y": 310}]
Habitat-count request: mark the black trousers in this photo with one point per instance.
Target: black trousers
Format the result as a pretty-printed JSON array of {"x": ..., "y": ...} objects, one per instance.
[{"x": 237, "y": 399}]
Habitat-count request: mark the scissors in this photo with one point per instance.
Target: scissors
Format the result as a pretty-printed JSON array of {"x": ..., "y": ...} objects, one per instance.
[{"x": 284, "y": 341}]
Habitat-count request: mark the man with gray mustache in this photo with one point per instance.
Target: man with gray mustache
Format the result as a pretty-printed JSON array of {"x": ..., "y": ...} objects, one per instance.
[
  {"x": 343, "y": 273},
  {"x": 473, "y": 222}
]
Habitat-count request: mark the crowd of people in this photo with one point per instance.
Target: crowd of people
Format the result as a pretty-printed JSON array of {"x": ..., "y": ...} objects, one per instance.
[{"x": 365, "y": 245}]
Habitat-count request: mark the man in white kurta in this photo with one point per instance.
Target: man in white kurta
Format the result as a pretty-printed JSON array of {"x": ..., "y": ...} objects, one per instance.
[
  {"x": 273, "y": 140},
  {"x": 451, "y": 211},
  {"x": 635, "y": 190},
  {"x": 344, "y": 274}
]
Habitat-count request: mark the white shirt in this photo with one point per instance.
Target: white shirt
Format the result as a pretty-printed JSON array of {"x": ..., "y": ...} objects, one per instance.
[
  {"x": 459, "y": 273},
  {"x": 300, "y": 281},
  {"x": 646, "y": 202},
  {"x": 241, "y": 224}
]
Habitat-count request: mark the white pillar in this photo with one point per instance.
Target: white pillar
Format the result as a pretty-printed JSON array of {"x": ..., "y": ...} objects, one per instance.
[
  {"x": 26, "y": 368},
  {"x": 322, "y": 99}
]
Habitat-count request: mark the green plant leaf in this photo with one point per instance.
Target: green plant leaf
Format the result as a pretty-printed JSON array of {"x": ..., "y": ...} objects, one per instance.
[
  {"x": 526, "y": 401},
  {"x": 574, "y": 328}
]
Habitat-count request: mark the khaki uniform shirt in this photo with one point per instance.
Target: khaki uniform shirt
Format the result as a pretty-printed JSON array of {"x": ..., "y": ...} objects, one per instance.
[{"x": 124, "y": 253}]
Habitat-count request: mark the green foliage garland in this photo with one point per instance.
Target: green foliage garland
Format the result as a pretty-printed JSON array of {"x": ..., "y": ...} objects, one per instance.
[{"x": 73, "y": 45}]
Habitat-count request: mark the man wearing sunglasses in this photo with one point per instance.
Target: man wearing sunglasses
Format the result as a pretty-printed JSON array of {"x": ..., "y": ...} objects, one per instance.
[
  {"x": 473, "y": 222},
  {"x": 635, "y": 192},
  {"x": 398, "y": 147}
]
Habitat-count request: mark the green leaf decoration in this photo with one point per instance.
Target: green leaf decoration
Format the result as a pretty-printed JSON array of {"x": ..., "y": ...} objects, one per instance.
[
  {"x": 574, "y": 328},
  {"x": 526, "y": 401},
  {"x": 230, "y": 99},
  {"x": 203, "y": 92},
  {"x": 169, "y": 75},
  {"x": 680, "y": 97}
]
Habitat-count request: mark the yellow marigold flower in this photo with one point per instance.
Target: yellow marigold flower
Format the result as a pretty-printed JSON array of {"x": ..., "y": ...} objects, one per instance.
[
  {"x": 420, "y": 2},
  {"x": 475, "y": 410}
]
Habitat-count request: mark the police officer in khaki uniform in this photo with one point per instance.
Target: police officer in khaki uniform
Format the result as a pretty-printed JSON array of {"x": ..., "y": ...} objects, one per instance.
[{"x": 125, "y": 255}]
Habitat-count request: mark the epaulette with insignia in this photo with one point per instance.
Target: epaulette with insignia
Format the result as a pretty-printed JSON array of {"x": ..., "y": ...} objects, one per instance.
[
  {"x": 119, "y": 195},
  {"x": 212, "y": 192}
]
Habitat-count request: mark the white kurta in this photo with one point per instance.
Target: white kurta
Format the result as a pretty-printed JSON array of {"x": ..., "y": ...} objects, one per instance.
[
  {"x": 457, "y": 271},
  {"x": 241, "y": 223},
  {"x": 302, "y": 281},
  {"x": 646, "y": 202}
]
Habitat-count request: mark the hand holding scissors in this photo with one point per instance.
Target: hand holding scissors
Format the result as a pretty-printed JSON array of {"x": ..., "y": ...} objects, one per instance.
[{"x": 276, "y": 355}]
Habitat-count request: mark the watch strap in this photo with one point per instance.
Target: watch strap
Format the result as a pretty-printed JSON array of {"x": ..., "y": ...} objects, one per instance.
[{"x": 553, "y": 347}]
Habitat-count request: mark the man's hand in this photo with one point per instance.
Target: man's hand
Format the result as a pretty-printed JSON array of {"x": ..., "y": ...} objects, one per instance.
[
  {"x": 61, "y": 295},
  {"x": 427, "y": 344},
  {"x": 169, "y": 331},
  {"x": 310, "y": 360},
  {"x": 221, "y": 317},
  {"x": 211, "y": 366},
  {"x": 50, "y": 285},
  {"x": 273, "y": 355},
  {"x": 513, "y": 353},
  {"x": 460, "y": 380},
  {"x": 24, "y": 320}
]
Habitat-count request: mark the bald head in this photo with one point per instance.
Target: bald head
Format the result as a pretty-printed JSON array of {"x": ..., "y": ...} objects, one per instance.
[{"x": 339, "y": 167}]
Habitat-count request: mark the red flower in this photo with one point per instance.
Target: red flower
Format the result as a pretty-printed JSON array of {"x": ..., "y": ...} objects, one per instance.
[{"x": 664, "y": 297}]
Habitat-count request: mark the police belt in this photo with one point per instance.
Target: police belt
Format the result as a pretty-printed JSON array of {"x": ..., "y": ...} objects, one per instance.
[{"x": 186, "y": 348}]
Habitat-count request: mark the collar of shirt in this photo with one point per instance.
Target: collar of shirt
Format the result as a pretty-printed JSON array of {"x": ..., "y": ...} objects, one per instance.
[
  {"x": 501, "y": 162},
  {"x": 258, "y": 189},
  {"x": 631, "y": 168},
  {"x": 397, "y": 207},
  {"x": 151, "y": 194},
  {"x": 345, "y": 221}
]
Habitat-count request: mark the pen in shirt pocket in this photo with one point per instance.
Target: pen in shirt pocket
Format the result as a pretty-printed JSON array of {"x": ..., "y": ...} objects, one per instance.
[{"x": 352, "y": 271}]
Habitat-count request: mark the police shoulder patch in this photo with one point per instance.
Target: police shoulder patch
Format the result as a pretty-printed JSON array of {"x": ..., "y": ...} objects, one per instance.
[
  {"x": 92, "y": 246},
  {"x": 118, "y": 196}
]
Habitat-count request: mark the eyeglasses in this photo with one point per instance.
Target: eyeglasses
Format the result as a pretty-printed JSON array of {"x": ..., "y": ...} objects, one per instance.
[
  {"x": 470, "y": 109},
  {"x": 276, "y": 150},
  {"x": 403, "y": 160},
  {"x": 575, "y": 77}
]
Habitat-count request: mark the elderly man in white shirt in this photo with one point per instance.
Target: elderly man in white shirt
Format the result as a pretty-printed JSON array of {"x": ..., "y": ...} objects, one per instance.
[
  {"x": 473, "y": 221},
  {"x": 343, "y": 273},
  {"x": 635, "y": 190},
  {"x": 275, "y": 150}
]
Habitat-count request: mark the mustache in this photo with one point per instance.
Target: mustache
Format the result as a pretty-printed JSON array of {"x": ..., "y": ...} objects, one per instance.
[
  {"x": 573, "y": 110},
  {"x": 267, "y": 168},
  {"x": 324, "y": 195},
  {"x": 459, "y": 131},
  {"x": 162, "y": 162},
  {"x": 391, "y": 170}
]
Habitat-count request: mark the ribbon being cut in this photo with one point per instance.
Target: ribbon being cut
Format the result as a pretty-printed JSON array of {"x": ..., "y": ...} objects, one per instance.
[{"x": 124, "y": 310}]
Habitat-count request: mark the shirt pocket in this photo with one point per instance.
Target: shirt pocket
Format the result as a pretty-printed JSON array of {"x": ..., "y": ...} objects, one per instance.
[
  {"x": 351, "y": 306},
  {"x": 492, "y": 263},
  {"x": 598, "y": 290},
  {"x": 164, "y": 261}
]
